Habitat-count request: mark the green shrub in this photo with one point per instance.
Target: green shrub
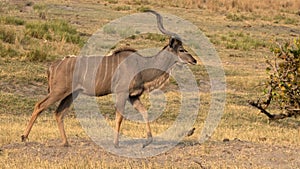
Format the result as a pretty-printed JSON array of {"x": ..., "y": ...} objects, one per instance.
[
  {"x": 283, "y": 85},
  {"x": 284, "y": 75}
]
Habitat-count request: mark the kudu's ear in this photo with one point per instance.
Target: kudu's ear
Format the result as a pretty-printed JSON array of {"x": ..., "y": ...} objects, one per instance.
[{"x": 174, "y": 43}]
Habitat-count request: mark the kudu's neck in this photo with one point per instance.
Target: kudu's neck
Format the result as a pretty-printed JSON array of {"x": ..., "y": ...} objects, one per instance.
[
  {"x": 161, "y": 64},
  {"x": 164, "y": 60}
]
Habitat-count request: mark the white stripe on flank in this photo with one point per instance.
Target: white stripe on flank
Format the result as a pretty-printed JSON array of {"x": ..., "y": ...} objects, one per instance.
[{"x": 86, "y": 71}]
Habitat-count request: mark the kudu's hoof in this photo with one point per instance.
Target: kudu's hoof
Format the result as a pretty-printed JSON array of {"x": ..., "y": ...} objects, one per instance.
[
  {"x": 116, "y": 146},
  {"x": 65, "y": 144},
  {"x": 23, "y": 138},
  {"x": 149, "y": 141}
]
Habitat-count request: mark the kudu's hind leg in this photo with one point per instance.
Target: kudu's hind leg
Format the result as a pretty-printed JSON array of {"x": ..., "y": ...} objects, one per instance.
[
  {"x": 39, "y": 107},
  {"x": 60, "y": 113},
  {"x": 137, "y": 104}
]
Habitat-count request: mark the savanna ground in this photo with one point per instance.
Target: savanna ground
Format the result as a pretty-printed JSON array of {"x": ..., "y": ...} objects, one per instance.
[{"x": 34, "y": 33}]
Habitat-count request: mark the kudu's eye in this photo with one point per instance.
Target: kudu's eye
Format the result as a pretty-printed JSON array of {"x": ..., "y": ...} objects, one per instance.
[{"x": 182, "y": 50}]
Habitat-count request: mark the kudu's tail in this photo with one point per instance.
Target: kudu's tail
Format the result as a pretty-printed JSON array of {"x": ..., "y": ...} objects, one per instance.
[{"x": 49, "y": 79}]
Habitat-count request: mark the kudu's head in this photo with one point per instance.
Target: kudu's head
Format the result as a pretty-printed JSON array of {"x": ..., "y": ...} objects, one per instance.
[
  {"x": 175, "y": 45},
  {"x": 176, "y": 48}
]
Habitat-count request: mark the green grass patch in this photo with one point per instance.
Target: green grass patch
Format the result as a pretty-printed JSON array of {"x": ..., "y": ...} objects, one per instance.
[
  {"x": 124, "y": 33},
  {"x": 7, "y": 35},
  {"x": 280, "y": 18},
  {"x": 39, "y": 7},
  {"x": 122, "y": 8},
  {"x": 142, "y": 8},
  {"x": 7, "y": 51},
  {"x": 11, "y": 20},
  {"x": 291, "y": 21},
  {"x": 40, "y": 55},
  {"x": 236, "y": 17},
  {"x": 112, "y": 1},
  {"x": 15, "y": 104},
  {"x": 242, "y": 41},
  {"x": 55, "y": 30},
  {"x": 155, "y": 37}
]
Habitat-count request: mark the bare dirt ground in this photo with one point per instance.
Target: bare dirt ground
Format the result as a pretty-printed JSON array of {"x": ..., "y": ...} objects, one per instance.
[{"x": 229, "y": 153}]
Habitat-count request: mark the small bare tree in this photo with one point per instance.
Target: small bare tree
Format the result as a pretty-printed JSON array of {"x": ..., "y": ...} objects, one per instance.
[{"x": 283, "y": 85}]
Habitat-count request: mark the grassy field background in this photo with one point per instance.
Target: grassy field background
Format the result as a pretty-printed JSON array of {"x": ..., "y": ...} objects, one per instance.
[{"x": 35, "y": 33}]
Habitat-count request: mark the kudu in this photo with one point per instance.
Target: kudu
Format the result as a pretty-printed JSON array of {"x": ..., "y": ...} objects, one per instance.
[{"x": 66, "y": 82}]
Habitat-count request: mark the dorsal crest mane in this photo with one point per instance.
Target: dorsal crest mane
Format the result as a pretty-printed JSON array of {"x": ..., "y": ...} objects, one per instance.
[{"x": 126, "y": 49}]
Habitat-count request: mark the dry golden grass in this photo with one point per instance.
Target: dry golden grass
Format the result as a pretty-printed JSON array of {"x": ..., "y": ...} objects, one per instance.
[{"x": 218, "y": 5}]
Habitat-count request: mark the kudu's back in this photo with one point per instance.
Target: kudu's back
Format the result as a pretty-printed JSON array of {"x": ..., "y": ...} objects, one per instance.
[{"x": 92, "y": 75}]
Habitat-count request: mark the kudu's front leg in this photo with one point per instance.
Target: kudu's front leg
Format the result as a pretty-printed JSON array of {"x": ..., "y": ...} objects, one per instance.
[
  {"x": 137, "y": 104},
  {"x": 119, "y": 119}
]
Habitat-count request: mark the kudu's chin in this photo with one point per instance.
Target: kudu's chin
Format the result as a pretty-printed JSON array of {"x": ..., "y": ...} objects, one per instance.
[
  {"x": 188, "y": 62},
  {"x": 182, "y": 64},
  {"x": 193, "y": 62}
]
